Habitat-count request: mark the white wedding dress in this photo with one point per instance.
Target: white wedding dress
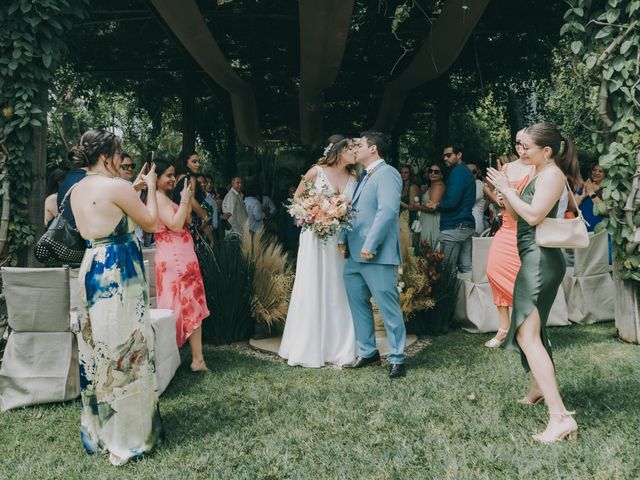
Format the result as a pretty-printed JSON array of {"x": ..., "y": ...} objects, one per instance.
[{"x": 319, "y": 328}]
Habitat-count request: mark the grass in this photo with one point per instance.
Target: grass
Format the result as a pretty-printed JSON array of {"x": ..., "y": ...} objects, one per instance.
[{"x": 454, "y": 416}]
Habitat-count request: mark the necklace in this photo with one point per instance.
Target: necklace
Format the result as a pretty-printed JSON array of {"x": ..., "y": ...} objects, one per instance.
[{"x": 101, "y": 174}]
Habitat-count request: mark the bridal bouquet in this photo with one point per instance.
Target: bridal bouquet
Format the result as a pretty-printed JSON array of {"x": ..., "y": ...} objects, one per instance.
[{"x": 322, "y": 212}]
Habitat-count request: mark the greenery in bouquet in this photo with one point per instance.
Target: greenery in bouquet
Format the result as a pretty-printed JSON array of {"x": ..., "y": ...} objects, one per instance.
[
  {"x": 322, "y": 212},
  {"x": 272, "y": 279}
]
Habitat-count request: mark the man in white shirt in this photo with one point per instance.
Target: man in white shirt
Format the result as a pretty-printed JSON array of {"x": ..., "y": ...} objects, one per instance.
[{"x": 233, "y": 205}]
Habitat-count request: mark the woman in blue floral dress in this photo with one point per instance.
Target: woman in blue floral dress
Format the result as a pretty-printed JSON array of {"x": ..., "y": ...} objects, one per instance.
[{"x": 120, "y": 414}]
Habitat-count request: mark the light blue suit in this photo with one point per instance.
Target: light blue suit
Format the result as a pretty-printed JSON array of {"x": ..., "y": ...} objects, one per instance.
[{"x": 376, "y": 228}]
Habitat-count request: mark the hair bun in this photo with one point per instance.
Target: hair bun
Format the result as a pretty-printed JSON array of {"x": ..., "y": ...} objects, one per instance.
[{"x": 78, "y": 155}]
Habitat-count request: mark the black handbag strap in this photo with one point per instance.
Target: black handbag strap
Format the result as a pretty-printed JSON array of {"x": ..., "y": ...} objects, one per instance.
[{"x": 66, "y": 198}]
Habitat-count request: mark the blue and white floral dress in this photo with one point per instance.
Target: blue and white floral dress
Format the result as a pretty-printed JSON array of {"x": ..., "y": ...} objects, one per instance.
[{"x": 120, "y": 413}]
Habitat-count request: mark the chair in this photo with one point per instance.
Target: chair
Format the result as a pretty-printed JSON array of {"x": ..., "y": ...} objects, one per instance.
[
  {"x": 168, "y": 360},
  {"x": 149, "y": 256},
  {"x": 474, "y": 305},
  {"x": 589, "y": 287},
  {"x": 40, "y": 362}
]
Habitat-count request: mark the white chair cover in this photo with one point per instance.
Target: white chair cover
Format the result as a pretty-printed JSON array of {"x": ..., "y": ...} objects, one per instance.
[
  {"x": 40, "y": 362},
  {"x": 474, "y": 306},
  {"x": 167, "y": 354},
  {"x": 149, "y": 256},
  {"x": 589, "y": 288}
]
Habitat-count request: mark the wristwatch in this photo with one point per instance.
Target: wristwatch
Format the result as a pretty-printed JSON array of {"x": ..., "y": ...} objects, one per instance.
[{"x": 593, "y": 195}]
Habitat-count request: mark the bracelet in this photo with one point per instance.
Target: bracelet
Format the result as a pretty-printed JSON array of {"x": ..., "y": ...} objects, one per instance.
[{"x": 185, "y": 203}]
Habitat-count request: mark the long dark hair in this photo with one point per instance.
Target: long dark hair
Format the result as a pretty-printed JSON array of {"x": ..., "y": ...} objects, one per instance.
[
  {"x": 563, "y": 151},
  {"x": 93, "y": 144},
  {"x": 181, "y": 162}
]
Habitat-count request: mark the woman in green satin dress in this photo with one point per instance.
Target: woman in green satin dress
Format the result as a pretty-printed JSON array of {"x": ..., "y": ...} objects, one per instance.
[{"x": 542, "y": 269}]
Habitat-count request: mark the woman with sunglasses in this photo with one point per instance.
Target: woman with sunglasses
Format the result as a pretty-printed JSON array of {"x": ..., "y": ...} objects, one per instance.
[
  {"x": 503, "y": 262},
  {"x": 554, "y": 158},
  {"x": 430, "y": 219}
]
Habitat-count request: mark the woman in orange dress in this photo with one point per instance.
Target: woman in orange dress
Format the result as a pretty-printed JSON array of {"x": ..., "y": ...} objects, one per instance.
[
  {"x": 503, "y": 261},
  {"x": 178, "y": 280}
]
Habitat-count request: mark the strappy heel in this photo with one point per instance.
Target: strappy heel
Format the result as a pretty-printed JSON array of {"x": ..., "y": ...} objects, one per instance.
[
  {"x": 571, "y": 432},
  {"x": 495, "y": 342}
]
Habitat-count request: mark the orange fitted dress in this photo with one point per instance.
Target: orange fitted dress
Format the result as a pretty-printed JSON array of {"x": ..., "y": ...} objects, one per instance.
[{"x": 503, "y": 261}]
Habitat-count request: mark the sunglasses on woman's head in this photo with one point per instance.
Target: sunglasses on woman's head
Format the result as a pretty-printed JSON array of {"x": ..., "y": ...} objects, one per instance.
[{"x": 129, "y": 166}]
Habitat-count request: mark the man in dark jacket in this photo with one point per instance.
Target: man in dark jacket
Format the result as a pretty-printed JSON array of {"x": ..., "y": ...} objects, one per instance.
[{"x": 457, "y": 224}]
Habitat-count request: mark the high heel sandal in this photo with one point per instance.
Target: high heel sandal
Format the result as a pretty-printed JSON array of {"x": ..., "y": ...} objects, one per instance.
[
  {"x": 571, "y": 432},
  {"x": 535, "y": 401},
  {"x": 495, "y": 342}
]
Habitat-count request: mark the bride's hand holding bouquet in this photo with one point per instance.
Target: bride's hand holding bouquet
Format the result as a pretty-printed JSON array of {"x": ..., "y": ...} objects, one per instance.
[{"x": 321, "y": 211}]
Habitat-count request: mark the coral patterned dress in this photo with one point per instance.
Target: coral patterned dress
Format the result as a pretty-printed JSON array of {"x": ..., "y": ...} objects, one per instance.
[
  {"x": 503, "y": 261},
  {"x": 178, "y": 280}
]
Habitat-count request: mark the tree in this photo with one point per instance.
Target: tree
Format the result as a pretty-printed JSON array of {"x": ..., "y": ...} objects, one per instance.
[{"x": 605, "y": 40}]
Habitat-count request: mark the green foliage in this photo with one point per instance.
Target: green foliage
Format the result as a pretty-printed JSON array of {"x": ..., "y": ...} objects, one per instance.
[
  {"x": 31, "y": 47},
  {"x": 605, "y": 39},
  {"x": 228, "y": 281}
]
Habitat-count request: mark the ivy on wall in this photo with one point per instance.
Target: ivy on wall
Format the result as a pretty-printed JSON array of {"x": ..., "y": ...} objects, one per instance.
[
  {"x": 605, "y": 38},
  {"x": 31, "y": 47}
]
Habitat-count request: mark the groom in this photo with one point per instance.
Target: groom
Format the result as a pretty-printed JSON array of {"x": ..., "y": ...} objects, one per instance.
[{"x": 374, "y": 255}]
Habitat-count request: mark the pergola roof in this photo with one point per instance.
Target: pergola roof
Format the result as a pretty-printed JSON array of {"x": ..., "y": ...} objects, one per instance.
[{"x": 251, "y": 51}]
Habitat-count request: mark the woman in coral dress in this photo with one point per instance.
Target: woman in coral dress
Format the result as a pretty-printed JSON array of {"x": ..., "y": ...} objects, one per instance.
[
  {"x": 503, "y": 261},
  {"x": 178, "y": 280}
]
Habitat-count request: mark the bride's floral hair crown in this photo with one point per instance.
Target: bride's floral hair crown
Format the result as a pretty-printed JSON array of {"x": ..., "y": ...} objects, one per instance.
[{"x": 327, "y": 149}]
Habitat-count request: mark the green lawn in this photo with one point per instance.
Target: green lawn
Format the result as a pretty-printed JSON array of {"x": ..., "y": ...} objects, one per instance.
[{"x": 454, "y": 416}]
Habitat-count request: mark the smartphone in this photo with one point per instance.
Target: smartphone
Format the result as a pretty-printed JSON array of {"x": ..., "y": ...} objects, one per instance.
[{"x": 492, "y": 160}]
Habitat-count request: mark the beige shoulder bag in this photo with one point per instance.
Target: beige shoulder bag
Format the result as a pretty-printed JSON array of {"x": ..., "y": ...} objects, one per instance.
[{"x": 563, "y": 232}]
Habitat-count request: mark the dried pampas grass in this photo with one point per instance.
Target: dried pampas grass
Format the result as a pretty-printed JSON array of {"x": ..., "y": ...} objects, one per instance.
[{"x": 273, "y": 278}]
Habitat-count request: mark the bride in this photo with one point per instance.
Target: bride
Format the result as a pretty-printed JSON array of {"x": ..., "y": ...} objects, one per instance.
[{"x": 319, "y": 328}]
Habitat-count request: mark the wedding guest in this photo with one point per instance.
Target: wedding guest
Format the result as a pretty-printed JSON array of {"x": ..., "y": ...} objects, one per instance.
[
  {"x": 554, "y": 157},
  {"x": 503, "y": 261},
  {"x": 206, "y": 184},
  {"x": 120, "y": 414},
  {"x": 255, "y": 211},
  {"x": 178, "y": 279},
  {"x": 127, "y": 167},
  {"x": 480, "y": 204},
  {"x": 429, "y": 218},
  {"x": 589, "y": 195},
  {"x": 457, "y": 224},
  {"x": 410, "y": 194},
  {"x": 234, "y": 208},
  {"x": 187, "y": 168},
  {"x": 268, "y": 205},
  {"x": 319, "y": 329},
  {"x": 51, "y": 200}
]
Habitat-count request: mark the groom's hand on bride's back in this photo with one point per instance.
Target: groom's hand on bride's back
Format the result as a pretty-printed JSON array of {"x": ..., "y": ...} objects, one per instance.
[
  {"x": 342, "y": 248},
  {"x": 366, "y": 254}
]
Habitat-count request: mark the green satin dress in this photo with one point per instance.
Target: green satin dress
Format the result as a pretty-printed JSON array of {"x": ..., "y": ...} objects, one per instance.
[{"x": 537, "y": 282}]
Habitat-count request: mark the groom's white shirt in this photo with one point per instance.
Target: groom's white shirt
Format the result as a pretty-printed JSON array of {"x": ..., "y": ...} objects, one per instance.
[{"x": 372, "y": 166}]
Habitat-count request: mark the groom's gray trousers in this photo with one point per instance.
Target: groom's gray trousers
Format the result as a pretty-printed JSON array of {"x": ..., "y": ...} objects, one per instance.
[{"x": 366, "y": 280}]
